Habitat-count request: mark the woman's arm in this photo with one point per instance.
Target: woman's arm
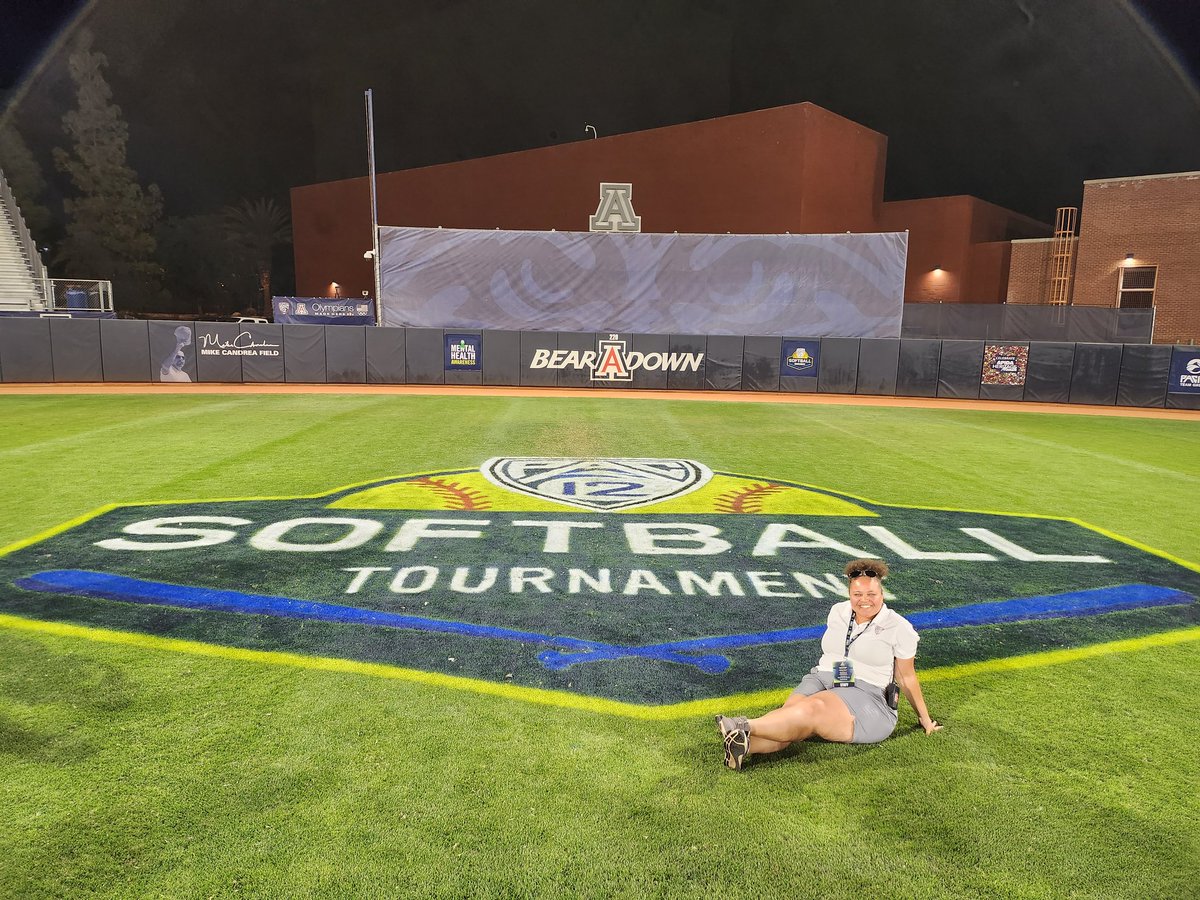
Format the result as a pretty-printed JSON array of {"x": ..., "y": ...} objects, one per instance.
[{"x": 906, "y": 675}]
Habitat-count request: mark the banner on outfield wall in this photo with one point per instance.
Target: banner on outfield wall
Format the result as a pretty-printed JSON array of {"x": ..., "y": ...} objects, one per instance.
[
  {"x": 800, "y": 358},
  {"x": 323, "y": 311},
  {"x": 1005, "y": 364},
  {"x": 463, "y": 352},
  {"x": 846, "y": 285},
  {"x": 172, "y": 352},
  {"x": 1185, "y": 371}
]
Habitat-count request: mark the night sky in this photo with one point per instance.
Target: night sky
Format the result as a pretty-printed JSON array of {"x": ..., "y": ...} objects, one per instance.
[{"x": 1014, "y": 101}]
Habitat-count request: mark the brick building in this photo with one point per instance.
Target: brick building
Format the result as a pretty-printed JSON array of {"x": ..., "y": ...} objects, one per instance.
[
  {"x": 797, "y": 168},
  {"x": 1138, "y": 246}
]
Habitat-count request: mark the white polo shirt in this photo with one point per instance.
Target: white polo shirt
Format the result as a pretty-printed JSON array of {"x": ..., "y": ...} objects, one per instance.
[{"x": 887, "y": 635}]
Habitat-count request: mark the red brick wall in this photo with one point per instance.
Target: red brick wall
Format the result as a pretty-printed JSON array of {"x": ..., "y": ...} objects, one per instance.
[
  {"x": 1157, "y": 219},
  {"x": 955, "y": 234},
  {"x": 1030, "y": 270},
  {"x": 794, "y": 168},
  {"x": 987, "y": 272}
]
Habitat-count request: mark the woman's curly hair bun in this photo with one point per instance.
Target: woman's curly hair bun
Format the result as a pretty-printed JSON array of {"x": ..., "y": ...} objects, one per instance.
[{"x": 873, "y": 568}]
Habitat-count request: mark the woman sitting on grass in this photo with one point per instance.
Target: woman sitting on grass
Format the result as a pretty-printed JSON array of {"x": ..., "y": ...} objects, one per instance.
[{"x": 865, "y": 647}]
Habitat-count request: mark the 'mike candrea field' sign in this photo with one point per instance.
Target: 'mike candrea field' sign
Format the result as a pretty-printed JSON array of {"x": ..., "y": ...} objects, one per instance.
[{"x": 648, "y": 581}]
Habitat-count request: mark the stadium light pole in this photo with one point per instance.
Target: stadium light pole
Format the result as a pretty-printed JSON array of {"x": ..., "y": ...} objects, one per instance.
[{"x": 374, "y": 207}]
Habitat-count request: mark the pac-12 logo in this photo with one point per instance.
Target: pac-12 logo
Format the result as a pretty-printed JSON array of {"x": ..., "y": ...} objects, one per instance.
[{"x": 647, "y": 581}]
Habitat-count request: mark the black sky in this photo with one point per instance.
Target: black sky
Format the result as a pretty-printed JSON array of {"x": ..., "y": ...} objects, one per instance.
[
  {"x": 30, "y": 25},
  {"x": 981, "y": 97}
]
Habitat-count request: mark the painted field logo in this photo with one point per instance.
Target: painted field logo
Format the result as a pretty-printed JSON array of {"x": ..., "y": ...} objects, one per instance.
[{"x": 649, "y": 581}]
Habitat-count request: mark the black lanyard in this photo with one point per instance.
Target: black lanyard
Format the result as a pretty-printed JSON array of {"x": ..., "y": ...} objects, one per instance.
[{"x": 849, "y": 629}]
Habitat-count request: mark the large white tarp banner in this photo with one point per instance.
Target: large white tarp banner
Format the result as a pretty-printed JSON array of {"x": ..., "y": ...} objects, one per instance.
[{"x": 814, "y": 285}]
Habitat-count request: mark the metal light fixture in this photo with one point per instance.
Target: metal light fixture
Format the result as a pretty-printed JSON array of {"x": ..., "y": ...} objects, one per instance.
[{"x": 1129, "y": 259}]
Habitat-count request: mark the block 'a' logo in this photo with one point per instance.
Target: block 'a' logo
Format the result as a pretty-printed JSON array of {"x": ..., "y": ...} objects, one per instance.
[
  {"x": 611, "y": 365},
  {"x": 631, "y": 583},
  {"x": 615, "y": 211}
]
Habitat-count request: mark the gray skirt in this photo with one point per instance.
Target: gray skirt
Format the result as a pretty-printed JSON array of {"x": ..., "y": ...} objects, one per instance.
[{"x": 874, "y": 720}]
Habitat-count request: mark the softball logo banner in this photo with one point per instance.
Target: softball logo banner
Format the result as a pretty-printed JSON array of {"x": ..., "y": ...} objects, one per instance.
[{"x": 646, "y": 581}]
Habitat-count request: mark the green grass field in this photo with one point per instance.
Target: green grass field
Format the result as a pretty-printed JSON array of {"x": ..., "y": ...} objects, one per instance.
[{"x": 134, "y": 771}]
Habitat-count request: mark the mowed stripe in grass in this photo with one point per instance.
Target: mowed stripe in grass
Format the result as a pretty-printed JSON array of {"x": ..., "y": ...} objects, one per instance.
[{"x": 131, "y": 771}]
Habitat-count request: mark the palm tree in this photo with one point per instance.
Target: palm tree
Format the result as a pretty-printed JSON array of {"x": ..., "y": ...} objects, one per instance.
[{"x": 258, "y": 227}]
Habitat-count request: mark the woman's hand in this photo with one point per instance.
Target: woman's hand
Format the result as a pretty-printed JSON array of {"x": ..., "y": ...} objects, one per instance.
[{"x": 931, "y": 725}]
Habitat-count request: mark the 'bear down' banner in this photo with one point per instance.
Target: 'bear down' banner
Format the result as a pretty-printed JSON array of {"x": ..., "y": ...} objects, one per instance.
[{"x": 815, "y": 285}]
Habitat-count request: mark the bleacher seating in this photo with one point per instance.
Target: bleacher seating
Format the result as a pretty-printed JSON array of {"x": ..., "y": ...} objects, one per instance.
[{"x": 22, "y": 273}]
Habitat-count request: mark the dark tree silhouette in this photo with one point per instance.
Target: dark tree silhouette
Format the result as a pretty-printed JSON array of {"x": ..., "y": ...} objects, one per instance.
[
  {"x": 257, "y": 227},
  {"x": 111, "y": 221}
]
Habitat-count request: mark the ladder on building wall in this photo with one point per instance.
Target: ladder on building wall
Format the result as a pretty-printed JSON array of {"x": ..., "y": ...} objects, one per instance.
[{"x": 1062, "y": 255}]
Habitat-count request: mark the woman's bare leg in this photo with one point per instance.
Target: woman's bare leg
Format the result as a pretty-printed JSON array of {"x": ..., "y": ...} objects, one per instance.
[{"x": 822, "y": 714}]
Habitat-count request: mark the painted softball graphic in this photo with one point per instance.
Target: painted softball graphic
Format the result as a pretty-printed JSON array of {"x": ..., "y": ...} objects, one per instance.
[
  {"x": 527, "y": 484},
  {"x": 631, "y": 581}
]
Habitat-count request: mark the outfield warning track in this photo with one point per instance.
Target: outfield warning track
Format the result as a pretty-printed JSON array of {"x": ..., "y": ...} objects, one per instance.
[{"x": 1076, "y": 409}]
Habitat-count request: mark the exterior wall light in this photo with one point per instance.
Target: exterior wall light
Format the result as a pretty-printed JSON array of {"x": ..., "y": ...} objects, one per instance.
[{"x": 1128, "y": 259}]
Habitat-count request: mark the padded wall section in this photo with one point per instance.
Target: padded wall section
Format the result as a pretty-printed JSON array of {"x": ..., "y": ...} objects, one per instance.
[
  {"x": 25, "y": 349},
  {"x": 173, "y": 351},
  {"x": 1001, "y": 392},
  {"x": 652, "y": 374},
  {"x": 263, "y": 359},
  {"x": 579, "y": 342},
  {"x": 502, "y": 357},
  {"x": 917, "y": 367},
  {"x": 723, "y": 362},
  {"x": 1048, "y": 377},
  {"x": 463, "y": 376},
  {"x": 216, "y": 359},
  {"x": 1145, "y": 369},
  {"x": 628, "y": 342},
  {"x": 839, "y": 366},
  {"x": 386, "y": 355},
  {"x": 997, "y": 371},
  {"x": 799, "y": 384},
  {"x": 75, "y": 347},
  {"x": 531, "y": 342},
  {"x": 688, "y": 379},
  {"x": 423, "y": 356},
  {"x": 346, "y": 354},
  {"x": 1095, "y": 374},
  {"x": 760, "y": 363},
  {"x": 878, "y": 361},
  {"x": 960, "y": 369},
  {"x": 304, "y": 353},
  {"x": 125, "y": 351},
  {"x": 1183, "y": 401}
]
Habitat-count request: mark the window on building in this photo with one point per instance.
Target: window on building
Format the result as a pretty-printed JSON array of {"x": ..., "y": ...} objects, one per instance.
[{"x": 1137, "y": 287}]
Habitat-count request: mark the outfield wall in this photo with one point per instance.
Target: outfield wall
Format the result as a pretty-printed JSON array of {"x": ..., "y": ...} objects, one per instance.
[{"x": 121, "y": 350}]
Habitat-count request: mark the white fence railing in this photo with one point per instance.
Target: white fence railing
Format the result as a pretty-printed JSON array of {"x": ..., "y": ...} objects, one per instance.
[{"x": 68, "y": 294}]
